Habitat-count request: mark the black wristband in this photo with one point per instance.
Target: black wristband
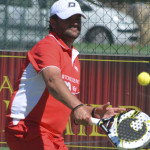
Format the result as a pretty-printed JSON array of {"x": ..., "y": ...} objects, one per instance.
[
  {"x": 77, "y": 107},
  {"x": 93, "y": 112}
]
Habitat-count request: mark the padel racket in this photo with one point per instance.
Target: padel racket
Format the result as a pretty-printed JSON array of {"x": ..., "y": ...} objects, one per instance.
[{"x": 127, "y": 130}]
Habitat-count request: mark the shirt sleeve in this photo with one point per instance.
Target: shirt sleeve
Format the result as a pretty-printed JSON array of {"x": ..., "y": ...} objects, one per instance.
[{"x": 45, "y": 54}]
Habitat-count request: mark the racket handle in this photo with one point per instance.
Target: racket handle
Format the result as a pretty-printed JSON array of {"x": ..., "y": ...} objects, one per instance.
[{"x": 95, "y": 121}]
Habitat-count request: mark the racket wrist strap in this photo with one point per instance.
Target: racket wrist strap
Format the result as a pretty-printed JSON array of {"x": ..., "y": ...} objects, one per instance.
[
  {"x": 75, "y": 108},
  {"x": 93, "y": 112}
]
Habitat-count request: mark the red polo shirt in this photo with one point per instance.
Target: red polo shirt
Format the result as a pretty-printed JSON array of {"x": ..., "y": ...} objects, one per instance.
[{"x": 31, "y": 99}]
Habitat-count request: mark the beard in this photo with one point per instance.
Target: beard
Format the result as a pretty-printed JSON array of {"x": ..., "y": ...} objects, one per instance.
[{"x": 72, "y": 32}]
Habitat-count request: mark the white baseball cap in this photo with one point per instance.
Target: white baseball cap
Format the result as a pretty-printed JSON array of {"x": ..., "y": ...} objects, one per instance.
[{"x": 66, "y": 8}]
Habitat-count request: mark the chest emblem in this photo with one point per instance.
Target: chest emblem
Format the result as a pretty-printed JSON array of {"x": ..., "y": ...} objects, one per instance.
[{"x": 76, "y": 68}]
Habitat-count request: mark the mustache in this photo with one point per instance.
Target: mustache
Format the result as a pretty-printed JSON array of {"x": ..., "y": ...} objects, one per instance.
[{"x": 75, "y": 26}]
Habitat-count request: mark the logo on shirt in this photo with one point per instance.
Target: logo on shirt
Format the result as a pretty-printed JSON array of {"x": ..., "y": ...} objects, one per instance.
[{"x": 76, "y": 68}]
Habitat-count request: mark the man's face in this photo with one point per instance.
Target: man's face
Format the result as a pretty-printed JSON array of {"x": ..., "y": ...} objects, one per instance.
[{"x": 68, "y": 29}]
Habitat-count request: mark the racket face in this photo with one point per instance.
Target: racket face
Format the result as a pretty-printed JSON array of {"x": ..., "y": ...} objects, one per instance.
[{"x": 130, "y": 130}]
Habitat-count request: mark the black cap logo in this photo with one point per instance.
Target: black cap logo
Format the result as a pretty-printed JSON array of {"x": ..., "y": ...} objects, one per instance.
[{"x": 71, "y": 4}]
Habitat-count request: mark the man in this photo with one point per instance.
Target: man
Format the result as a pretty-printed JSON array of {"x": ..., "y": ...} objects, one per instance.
[{"x": 45, "y": 92}]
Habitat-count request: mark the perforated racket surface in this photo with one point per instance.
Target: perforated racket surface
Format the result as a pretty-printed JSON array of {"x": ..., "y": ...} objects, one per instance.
[{"x": 128, "y": 130}]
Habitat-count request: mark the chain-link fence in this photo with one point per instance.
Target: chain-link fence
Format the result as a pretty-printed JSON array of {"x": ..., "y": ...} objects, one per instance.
[{"x": 110, "y": 28}]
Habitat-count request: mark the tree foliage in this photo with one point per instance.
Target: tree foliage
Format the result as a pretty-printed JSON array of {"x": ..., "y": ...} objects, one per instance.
[{"x": 122, "y": 1}]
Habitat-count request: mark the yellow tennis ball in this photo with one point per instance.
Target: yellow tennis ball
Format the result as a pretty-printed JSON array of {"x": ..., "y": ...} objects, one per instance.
[{"x": 143, "y": 78}]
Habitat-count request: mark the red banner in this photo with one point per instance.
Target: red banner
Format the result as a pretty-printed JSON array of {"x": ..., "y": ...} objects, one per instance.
[{"x": 103, "y": 79}]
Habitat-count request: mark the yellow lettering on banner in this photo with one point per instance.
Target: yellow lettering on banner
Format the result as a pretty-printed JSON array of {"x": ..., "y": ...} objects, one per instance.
[
  {"x": 7, "y": 103},
  {"x": 95, "y": 132},
  {"x": 7, "y": 82},
  {"x": 131, "y": 107},
  {"x": 69, "y": 128},
  {"x": 82, "y": 131}
]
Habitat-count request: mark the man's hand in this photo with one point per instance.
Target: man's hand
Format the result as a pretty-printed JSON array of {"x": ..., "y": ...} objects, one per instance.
[
  {"x": 105, "y": 111},
  {"x": 83, "y": 114}
]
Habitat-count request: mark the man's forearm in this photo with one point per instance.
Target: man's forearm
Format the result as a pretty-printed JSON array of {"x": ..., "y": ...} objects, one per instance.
[{"x": 60, "y": 91}]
